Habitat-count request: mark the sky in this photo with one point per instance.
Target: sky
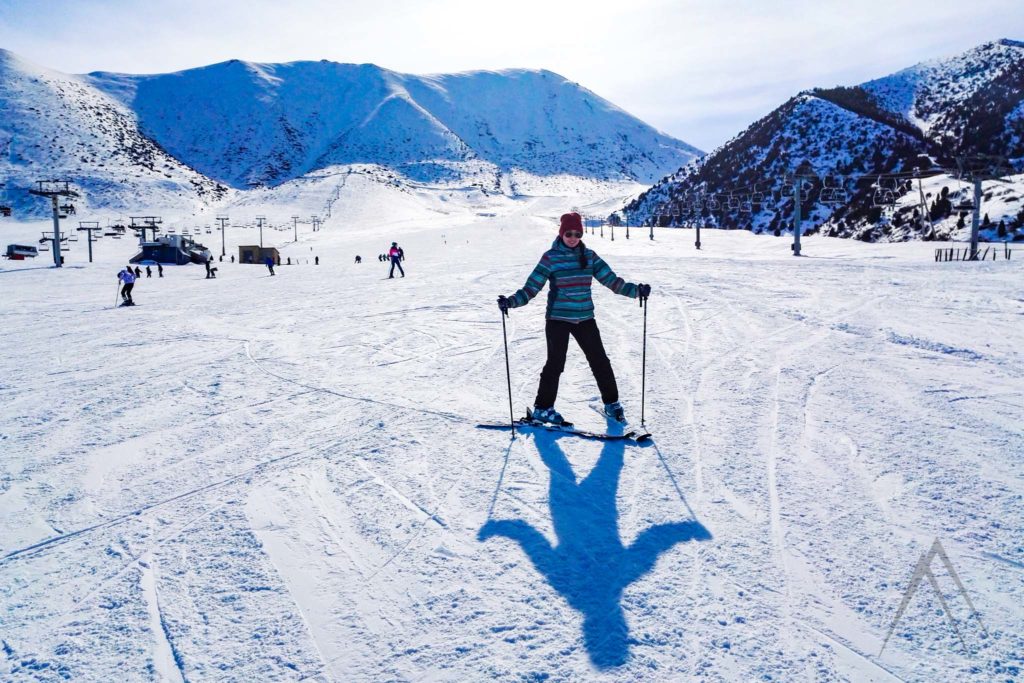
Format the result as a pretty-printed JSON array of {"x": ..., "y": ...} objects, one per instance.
[{"x": 698, "y": 70}]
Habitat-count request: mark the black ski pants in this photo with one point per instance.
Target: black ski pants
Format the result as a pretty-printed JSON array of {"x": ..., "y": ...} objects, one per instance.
[
  {"x": 395, "y": 262},
  {"x": 589, "y": 338},
  {"x": 126, "y": 291}
]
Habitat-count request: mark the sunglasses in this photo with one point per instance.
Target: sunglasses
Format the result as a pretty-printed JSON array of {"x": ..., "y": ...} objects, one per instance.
[{"x": 572, "y": 234}]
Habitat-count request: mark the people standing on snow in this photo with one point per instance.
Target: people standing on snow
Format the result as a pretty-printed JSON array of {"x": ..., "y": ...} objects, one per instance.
[
  {"x": 401, "y": 254},
  {"x": 208, "y": 268},
  {"x": 149, "y": 272},
  {"x": 159, "y": 270},
  {"x": 395, "y": 254},
  {"x": 359, "y": 259},
  {"x": 270, "y": 264},
  {"x": 571, "y": 267},
  {"x": 127, "y": 278},
  {"x": 138, "y": 272},
  {"x": 316, "y": 260}
]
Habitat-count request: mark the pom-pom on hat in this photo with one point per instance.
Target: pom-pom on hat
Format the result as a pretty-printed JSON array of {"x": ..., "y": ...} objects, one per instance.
[{"x": 570, "y": 221}]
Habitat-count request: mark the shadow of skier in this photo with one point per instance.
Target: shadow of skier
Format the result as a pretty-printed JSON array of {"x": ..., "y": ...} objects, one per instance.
[{"x": 589, "y": 566}]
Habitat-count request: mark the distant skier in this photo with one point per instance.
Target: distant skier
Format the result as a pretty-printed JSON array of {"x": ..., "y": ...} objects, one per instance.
[
  {"x": 270, "y": 264},
  {"x": 401, "y": 254},
  {"x": 316, "y": 260},
  {"x": 127, "y": 279},
  {"x": 208, "y": 275},
  {"x": 159, "y": 270},
  {"x": 149, "y": 272},
  {"x": 571, "y": 267},
  {"x": 359, "y": 259},
  {"x": 138, "y": 272},
  {"x": 395, "y": 254}
]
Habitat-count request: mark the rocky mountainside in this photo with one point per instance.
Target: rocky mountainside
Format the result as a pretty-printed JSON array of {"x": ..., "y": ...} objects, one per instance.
[
  {"x": 855, "y": 153},
  {"x": 53, "y": 125},
  {"x": 249, "y": 124}
]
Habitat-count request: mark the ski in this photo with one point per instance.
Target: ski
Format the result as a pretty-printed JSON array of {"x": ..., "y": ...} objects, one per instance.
[
  {"x": 523, "y": 423},
  {"x": 639, "y": 436}
]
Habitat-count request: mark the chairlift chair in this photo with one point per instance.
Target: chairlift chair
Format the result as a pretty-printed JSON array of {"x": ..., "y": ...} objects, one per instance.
[
  {"x": 806, "y": 187},
  {"x": 833, "y": 193},
  {"x": 733, "y": 202},
  {"x": 712, "y": 203}
]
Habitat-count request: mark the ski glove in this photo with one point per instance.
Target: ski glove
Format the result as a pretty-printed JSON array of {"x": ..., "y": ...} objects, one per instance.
[
  {"x": 643, "y": 291},
  {"x": 504, "y": 304}
]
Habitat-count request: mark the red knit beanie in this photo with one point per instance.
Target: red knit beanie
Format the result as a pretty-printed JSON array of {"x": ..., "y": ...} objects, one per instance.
[{"x": 570, "y": 221}]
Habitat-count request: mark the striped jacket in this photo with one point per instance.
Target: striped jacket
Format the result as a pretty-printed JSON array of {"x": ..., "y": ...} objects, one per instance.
[{"x": 569, "y": 295}]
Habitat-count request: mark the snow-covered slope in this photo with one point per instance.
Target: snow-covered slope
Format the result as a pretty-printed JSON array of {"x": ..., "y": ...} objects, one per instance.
[
  {"x": 53, "y": 125},
  {"x": 256, "y": 478},
  {"x": 844, "y": 138},
  {"x": 262, "y": 124}
]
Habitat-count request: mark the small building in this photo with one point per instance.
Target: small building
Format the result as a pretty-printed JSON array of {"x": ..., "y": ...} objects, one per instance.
[
  {"x": 175, "y": 249},
  {"x": 256, "y": 254}
]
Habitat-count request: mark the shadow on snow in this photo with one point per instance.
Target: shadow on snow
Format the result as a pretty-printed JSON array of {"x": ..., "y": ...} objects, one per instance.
[{"x": 589, "y": 566}]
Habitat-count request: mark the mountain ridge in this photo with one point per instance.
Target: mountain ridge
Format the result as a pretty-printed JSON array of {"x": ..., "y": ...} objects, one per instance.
[{"x": 930, "y": 116}]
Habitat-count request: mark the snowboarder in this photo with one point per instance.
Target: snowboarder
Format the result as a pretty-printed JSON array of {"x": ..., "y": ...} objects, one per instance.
[
  {"x": 127, "y": 278},
  {"x": 571, "y": 267},
  {"x": 270, "y": 264},
  {"x": 395, "y": 254}
]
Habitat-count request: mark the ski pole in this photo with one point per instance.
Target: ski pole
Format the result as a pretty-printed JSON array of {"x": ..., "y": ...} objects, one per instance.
[
  {"x": 117, "y": 293},
  {"x": 508, "y": 374},
  {"x": 643, "y": 372}
]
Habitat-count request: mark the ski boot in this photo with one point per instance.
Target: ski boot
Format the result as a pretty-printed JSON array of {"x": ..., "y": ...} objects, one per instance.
[
  {"x": 615, "y": 412},
  {"x": 548, "y": 416}
]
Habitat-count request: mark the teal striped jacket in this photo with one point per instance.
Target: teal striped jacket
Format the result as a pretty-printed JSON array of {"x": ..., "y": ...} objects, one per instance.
[{"x": 569, "y": 295}]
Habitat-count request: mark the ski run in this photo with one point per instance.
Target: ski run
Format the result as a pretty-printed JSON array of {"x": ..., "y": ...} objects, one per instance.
[{"x": 255, "y": 478}]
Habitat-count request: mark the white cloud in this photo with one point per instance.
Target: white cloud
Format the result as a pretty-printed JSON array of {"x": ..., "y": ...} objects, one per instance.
[{"x": 699, "y": 70}]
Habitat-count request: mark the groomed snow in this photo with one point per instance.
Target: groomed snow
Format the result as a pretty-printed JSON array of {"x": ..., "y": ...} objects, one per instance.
[{"x": 279, "y": 478}]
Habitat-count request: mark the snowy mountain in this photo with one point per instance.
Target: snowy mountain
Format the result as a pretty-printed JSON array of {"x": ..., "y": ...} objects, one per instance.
[
  {"x": 53, "y": 125},
  {"x": 252, "y": 124},
  {"x": 842, "y": 139}
]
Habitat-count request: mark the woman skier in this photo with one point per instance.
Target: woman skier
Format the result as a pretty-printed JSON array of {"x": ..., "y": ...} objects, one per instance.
[{"x": 571, "y": 267}]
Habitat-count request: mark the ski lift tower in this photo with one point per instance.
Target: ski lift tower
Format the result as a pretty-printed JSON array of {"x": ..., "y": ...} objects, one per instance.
[
  {"x": 981, "y": 167},
  {"x": 140, "y": 224},
  {"x": 223, "y": 220},
  {"x": 295, "y": 225},
  {"x": 89, "y": 227},
  {"x": 260, "y": 220},
  {"x": 54, "y": 189}
]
